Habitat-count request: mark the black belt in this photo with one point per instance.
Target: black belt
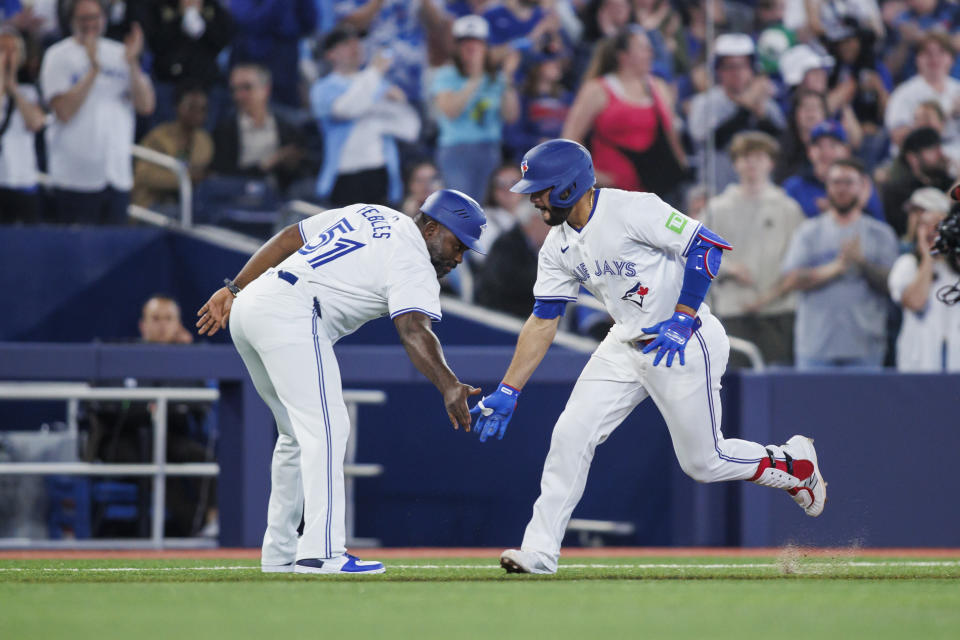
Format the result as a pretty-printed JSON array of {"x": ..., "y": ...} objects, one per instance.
[{"x": 286, "y": 275}]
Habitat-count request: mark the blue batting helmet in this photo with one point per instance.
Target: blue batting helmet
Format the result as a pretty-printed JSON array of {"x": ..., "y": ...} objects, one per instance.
[
  {"x": 562, "y": 164},
  {"x": 458, "y": 212}
]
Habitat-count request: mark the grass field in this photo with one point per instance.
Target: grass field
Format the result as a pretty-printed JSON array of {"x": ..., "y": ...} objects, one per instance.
[{"x": 786, "y": 594}]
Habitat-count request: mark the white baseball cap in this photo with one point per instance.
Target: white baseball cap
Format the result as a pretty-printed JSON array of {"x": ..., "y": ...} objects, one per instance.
[
  {"x": 733, "y": 44},
  {"x": 929, "y": 199},
  {"x": 471, "y": 27},
  {"x": 796, "y": 61}
]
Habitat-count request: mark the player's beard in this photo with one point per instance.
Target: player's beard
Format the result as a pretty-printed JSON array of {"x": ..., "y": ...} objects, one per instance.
[{"x": 555, "y": 216}]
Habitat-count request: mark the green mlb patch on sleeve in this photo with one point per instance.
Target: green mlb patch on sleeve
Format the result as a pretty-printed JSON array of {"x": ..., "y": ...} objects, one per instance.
[{"x": 676, "y": 222}]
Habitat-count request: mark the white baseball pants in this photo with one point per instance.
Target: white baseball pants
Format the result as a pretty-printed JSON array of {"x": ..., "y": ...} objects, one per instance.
[
  {"x": 281, "y": 339},
  {"x": 617, "y": 378}
]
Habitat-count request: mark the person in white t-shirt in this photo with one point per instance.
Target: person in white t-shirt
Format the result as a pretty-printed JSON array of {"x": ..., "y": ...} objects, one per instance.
[
  {"x": 310, "y": 285},
  {"x": 94, "y": 86},
  {"x": 935, "y": 56},
  {"x": 929, "y": 340},
  {"x": 20, "y": 119}
]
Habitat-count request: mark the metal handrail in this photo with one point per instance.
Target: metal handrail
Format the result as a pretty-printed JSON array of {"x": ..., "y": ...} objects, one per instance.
[
  {"x": 180, "y": 169},
  {"x": 159, "y": 469}
]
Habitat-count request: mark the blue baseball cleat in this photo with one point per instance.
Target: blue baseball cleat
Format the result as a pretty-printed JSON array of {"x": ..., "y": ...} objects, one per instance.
[{"x": 342, "y": 565}]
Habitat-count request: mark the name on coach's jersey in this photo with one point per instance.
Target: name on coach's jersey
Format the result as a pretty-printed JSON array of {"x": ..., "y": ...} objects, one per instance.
[{"x": 377, "y": 220}]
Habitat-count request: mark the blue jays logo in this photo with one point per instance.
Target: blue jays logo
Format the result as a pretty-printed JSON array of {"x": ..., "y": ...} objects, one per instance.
[
  {"x": 635, "y": 294},
  {"x": 523, "y": 168}
]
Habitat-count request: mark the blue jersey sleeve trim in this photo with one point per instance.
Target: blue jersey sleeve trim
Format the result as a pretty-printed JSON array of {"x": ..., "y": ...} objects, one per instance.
[
  {"x": 400, "y": 312},
  {"x": 549, "y": 309},
  {"x": 300, "y": 227},
  {"x": 692, "y": 239},
  {"x": 556, "y": 298}
]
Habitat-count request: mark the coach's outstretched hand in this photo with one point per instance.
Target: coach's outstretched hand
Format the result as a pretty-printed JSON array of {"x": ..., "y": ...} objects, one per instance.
[
  {"x": 494, "y": 411},
  {"x": 215, "y": 313},
  {"x": 672, "y": 336}
]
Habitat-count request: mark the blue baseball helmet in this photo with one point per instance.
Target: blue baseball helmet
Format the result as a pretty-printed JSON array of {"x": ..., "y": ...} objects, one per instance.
[
  {"x": 458, "y": 212},
  {"x": 562, "y": 164}
]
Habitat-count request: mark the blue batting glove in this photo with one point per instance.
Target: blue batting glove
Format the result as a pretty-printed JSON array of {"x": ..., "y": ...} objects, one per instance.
[
  {"x": 672, "y": 336},
  {"x": 494, "y": 412}
]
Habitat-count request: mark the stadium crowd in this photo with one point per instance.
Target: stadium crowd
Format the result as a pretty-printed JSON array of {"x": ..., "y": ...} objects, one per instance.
[{"x": 819, "y": 137}]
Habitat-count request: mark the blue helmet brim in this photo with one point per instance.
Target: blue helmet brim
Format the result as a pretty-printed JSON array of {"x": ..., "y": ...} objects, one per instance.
[
  {"x": 474, "y": 245},
  {"x": 528, "y": 186}
]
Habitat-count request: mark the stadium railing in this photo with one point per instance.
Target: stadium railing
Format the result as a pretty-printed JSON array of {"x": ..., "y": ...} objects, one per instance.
[
  {"x": 180, "y": 169},
  {"x": 73, "y": 393}
]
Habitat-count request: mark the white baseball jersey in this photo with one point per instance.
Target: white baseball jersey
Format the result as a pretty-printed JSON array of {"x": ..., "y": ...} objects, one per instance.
[
  {"x": 362, "y": 262},
  {"x": 929, "y": 341},
  {"x": 630, "y": 255}
]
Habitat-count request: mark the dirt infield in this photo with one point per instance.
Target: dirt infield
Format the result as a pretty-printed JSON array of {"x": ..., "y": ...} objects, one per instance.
[{"x": 493, "y": 553}]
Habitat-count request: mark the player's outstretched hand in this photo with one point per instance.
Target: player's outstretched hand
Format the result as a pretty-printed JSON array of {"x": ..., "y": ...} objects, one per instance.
[
  {"x": 494, "y": 411},
  {"x": 455, "y": 399},
  {"x": 214, "y": 314},
  {"x": 672, "y": 336}
]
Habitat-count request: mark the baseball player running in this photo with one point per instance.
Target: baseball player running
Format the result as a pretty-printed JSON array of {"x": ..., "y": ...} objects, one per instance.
[
  {"x": 651, "y": 266},
  {"x": 307, "y": 287}
]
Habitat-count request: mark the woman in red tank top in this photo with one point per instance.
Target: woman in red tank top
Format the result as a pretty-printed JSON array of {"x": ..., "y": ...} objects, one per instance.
[{"x": 627, "y": 113}]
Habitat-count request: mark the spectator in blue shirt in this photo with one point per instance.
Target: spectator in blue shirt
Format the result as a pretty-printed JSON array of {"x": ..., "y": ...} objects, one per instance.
[
  {"x": 828, "y": 143},
  {"x": 269, "y": 33},
  {"x": 473, "y": 99},
  {"x": 544, "y": 103}
]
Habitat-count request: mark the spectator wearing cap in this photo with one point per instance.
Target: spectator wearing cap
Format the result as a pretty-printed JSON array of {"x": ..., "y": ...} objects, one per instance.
[
  {"x": 804, "y": 68},
  {"x": 416, "y": 34},
  {"x": 759, "y": 219},
  {"x": 828, "y": 143},
  {"x": 472, "y": 98},
  {"x": 741, "y": 101},
  {"x": 839, "y": 262},
  {"x": 20, "y": 118},
  {"x": 268, "y": 33},
  {"x": 932, "y": 82},
  {"x": 94, "y": 87},
  {"x": 627, "y": 114},
  {"x": 929, "y": 339},
  {"x": 362, "y": 115},
  {"x": 920, "y": 163}
]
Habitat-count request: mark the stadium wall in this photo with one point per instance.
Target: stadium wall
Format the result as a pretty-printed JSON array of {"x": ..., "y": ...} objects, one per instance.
[{"x": 886, "y": 441}]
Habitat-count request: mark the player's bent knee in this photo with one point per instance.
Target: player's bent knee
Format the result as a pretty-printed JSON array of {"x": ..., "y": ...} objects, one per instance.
[{"x": 700, "y": 469}]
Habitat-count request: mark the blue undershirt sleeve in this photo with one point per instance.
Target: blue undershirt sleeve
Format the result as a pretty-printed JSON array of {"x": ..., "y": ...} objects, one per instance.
[{"x": 549, "y": 309}]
